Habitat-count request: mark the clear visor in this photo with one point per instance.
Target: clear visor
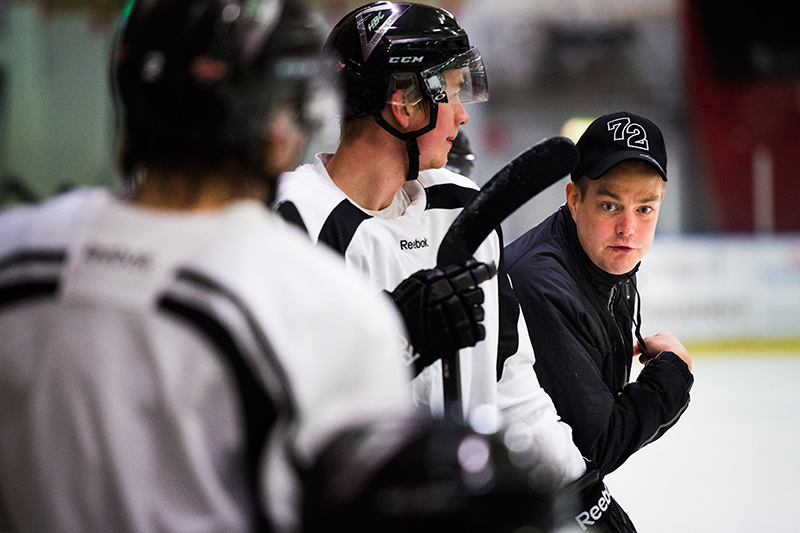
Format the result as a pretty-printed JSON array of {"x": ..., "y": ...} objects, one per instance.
[{"x": 462, "y": 79}]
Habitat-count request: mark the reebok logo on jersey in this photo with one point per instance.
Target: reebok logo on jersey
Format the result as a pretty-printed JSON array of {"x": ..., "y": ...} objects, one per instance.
[
  {"x": 116, "y": 257},
  {"x": 588, "y": 518},
  {"x": 413, "y": 245}
]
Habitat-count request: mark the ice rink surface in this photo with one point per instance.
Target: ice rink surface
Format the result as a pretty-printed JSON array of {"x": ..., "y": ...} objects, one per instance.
[{"x": 732, "y": 463}]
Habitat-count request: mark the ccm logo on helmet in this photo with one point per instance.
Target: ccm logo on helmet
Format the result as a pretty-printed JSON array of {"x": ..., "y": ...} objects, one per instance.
[{"x": 407, "y": 59}]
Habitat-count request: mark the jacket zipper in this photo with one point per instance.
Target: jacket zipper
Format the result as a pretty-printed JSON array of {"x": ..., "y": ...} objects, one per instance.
[{"x": 610, "y": 306}]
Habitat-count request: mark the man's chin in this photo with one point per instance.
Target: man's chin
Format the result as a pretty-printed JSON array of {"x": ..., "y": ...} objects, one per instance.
[{"x": 618, "y": 267}]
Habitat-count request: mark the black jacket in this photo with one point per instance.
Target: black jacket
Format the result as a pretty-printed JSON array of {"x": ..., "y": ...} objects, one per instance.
[{"x": 580, "y": 320}]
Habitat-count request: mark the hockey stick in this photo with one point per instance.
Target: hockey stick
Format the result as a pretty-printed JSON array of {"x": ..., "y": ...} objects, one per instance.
[{"x": 521, "y": 179}]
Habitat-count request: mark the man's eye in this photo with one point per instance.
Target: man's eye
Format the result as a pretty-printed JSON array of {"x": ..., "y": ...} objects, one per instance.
[
  {"x": 646, "y": 210},
  {"x": 607, "y": 207}
]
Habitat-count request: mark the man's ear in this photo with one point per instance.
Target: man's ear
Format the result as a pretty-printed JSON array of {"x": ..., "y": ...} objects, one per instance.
[
  {"x": 573, "y": 196},
  {"x": 400, "y": 110}
]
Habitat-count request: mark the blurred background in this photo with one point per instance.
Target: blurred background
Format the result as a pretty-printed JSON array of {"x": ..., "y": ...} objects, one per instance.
[{"x": 721, "y": 79}]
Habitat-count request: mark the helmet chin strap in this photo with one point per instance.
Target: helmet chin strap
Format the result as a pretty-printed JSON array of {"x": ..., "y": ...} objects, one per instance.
[{"x": 410, "y": 138}]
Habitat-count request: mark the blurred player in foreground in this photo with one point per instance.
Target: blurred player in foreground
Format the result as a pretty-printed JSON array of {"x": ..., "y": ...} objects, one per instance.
[
  {"x": 575, "y": 278},
  {"x": 178, "y": 358},
  {"x": 159, "y": 369},
  {"x": 384, "y": 201}
]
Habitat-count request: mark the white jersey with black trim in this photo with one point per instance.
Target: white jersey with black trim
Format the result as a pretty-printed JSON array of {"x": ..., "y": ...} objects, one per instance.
[
  {"x": 388, "y": 250},
  {"x": 168, "y": 372}
]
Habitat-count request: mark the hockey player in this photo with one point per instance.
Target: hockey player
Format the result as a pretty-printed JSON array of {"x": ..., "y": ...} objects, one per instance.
[
  {"x": 575, "y": 277},
  {"x": 178, "y": 358},
  {"x": 384, "y": 201}
]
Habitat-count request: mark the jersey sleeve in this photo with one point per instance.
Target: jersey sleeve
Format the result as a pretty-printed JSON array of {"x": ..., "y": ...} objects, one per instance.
[{"x": 529, "y": 413}]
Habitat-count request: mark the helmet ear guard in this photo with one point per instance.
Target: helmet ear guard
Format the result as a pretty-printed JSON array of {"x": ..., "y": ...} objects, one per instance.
[{"x": 406, "y": 82}]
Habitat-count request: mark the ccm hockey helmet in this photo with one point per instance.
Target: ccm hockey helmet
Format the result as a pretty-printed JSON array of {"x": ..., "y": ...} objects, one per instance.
[
  {"x": 385, "y": 46},
  {"x": 198, "y": 80}
]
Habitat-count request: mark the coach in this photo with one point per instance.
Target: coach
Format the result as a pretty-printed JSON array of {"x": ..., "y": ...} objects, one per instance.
[{"x": 575, "y": 277}]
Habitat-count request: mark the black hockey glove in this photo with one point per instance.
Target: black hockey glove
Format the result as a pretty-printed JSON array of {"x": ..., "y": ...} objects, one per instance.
[{"x": 442, "y": 309}]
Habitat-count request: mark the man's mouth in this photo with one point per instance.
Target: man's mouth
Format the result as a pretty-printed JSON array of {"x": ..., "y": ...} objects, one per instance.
[{"x": 622, "y": 249}]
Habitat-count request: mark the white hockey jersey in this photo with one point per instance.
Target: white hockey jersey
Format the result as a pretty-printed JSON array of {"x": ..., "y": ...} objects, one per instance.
[
  {"x": 389, "y": 246},
  {"x": 162, "y": 372}
]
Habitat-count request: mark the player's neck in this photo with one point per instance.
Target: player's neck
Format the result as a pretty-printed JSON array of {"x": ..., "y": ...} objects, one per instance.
[
  {"x": 189, "y": 192},
  {"x": 370, "y": 170}
]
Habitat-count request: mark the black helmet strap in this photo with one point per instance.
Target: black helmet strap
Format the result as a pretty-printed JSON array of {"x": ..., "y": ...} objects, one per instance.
[{"x": 410, "y": 138}]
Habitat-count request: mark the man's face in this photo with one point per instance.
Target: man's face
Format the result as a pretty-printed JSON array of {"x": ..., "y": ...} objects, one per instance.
[
  {"x": 435, "y": 145},
  {"x": 616, "y": 218}
]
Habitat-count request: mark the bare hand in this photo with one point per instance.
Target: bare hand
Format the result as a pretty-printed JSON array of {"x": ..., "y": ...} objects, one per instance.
[{"x": 665, "y": 341}]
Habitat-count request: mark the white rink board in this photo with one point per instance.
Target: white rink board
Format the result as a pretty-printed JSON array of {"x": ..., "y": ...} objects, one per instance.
[{"x": 722, "y": 288}]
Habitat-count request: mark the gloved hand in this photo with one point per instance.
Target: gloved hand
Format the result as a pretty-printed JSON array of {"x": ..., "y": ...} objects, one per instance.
[{"x": 442, "y": 309}]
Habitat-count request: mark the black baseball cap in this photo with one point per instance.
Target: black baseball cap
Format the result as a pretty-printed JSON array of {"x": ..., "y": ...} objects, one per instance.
[{"x": 617, "y": 137}]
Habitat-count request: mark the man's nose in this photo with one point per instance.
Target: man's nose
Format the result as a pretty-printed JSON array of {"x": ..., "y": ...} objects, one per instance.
[
  {"x": 626, "y": 224},
  {"x": 461, "y": 114}
]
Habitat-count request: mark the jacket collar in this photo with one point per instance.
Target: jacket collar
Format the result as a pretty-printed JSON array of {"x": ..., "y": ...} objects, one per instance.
[{"x": 603, "y": 280}]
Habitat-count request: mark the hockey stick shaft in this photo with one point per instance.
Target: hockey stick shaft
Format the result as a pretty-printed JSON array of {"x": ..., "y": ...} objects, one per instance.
[{"x": 524, "y": 177}]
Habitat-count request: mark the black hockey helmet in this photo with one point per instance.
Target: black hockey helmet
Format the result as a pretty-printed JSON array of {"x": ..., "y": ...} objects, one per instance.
[
  {"x": 384, "y": 46},
  {"x": 198, "y": 80}
]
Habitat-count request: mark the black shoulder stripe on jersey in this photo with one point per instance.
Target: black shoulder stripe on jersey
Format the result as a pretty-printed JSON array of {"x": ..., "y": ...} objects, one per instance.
[
  {"x": 263, "y": 385},
  {"x": 288, "y": 211},
  {"x": 16, "y": 293},
  {"x": 448, "y": 196},
  {"x": 259, "y": 412},
  {"x": 31, "y": 257},
  {"x": 509, "y": 313},
  {"x": 341, "y": 225},
  {"x": 15, "y": 289}
]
